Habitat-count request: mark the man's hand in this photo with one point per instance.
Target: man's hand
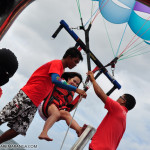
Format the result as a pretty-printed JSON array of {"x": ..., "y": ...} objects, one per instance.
[
  {"x": 91, "y": 76},
  {"x": 99, "y": 92},
  {"x": 81, "y": 92}
]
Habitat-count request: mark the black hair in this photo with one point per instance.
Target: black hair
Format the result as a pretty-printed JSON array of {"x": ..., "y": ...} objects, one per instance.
[
  {"x": 6, "y": 6},
  {"x": 67, "y": 75},
  {"x": 130, "y": 101},
  {"x": 4, "y": 78},
  {"x": 8, "y": 65},
  {"x": 73, "y": 52}
]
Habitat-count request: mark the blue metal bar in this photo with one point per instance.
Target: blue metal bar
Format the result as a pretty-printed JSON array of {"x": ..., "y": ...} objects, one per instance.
[{"x": 92, "y": 56}]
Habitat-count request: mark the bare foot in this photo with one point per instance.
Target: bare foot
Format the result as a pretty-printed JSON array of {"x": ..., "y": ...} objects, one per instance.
[
  {"x": 82, "y": 130},
  {"x": 44, "y": 137}
]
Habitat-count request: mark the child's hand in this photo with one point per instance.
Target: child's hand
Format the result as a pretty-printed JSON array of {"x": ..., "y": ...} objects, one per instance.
[{"x": 81, "y": 92}]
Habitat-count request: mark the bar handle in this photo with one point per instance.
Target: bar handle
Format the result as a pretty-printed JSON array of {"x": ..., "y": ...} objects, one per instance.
[{"x": 57, "y": 31}]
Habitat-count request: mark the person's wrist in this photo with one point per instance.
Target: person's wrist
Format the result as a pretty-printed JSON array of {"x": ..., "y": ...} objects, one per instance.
[
  {"x": 93, "y": 80},
  {"x": 76, "y": 89}
]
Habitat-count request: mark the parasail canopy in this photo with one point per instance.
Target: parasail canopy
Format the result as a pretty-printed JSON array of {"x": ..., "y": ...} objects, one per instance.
[{"x": 127, "y": 12}]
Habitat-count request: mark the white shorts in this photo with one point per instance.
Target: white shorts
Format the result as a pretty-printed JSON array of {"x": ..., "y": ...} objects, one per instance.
[{"x": 41, "y": 112}]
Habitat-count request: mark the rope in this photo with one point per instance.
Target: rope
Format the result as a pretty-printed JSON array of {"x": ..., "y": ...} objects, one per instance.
[
  {"x": 135, "y": 53},
  {"x": 100, "y": 9},
  {"x": 136, "y": 40},
  {"x": 108, "y": 37},
  {"x": 85, "y": 88},
  {"x": 129, "y": 44},
  {"x": 70, "y": 123},
  {"x": 131, "y": 49},
  {"x": 78, "y": 5},
  {"x": 92, "y": 8},
  {"x": 121, "y": 41},
  {"x": 91, "y": 17}
]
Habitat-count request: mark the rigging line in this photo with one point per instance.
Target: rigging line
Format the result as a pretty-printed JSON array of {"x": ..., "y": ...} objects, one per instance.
[
  {"x": 140, "y": 50},
  {"x": 135, "y": 52},
  {"x": 100, "y": 9},
  {"x": 95, "y": 16},
  {"x": 96, "y": 12},
  {"x": 85, "y": 85},
  {"x": 82, "y": 26},
  {"x": 92, "y": 7},
  {"x": 133, "y": 38},
  {"x": 78, "y": 5},
  {"x": 134, "y": 55},
  {"x": 101, "y": 3},
  {"x": 139, "y": 37},
  {"x": 70, "y": 123},
  {"x": 132, "y": 48},
  {"x": 108, "y": 37},
  {"x": 91, "y": 17},
  {"x": 92, "y": 14},
  {"x": 121, "y": 40},
  {"x": 92, "y": 10}
]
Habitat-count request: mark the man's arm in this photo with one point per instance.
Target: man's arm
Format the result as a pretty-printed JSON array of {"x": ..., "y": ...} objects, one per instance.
[
  {"x": 56, "y": 79},
  {"x": 99, "y": 92}
]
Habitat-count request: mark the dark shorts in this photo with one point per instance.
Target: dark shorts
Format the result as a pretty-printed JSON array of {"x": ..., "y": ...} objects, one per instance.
[{"x": 19, "y": 113}]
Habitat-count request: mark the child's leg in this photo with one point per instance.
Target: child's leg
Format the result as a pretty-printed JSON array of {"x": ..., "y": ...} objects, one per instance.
[
  {"x": 9, "y": 134},
  {"x": 65, "y": 115},
  {"x": 54, "y": 115}
]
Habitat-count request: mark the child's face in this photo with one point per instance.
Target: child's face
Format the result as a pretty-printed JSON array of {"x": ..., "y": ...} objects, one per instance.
[{"x": 75, "y": 81}]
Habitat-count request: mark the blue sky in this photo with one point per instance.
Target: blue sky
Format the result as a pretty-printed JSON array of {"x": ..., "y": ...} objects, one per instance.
[{"x": 30, "y": 39}]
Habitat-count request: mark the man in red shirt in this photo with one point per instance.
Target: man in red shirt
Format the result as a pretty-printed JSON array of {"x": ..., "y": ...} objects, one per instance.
[
  {"x": 20, "y": 112},
  {"x": 112, "y": 128}
]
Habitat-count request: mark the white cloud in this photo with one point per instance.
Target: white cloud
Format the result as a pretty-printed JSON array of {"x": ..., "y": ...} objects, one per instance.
[{"x": 30, "y": 39}]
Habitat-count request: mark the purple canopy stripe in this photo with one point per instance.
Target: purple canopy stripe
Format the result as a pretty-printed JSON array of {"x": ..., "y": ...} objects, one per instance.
[{"x": 140, "y": 7}]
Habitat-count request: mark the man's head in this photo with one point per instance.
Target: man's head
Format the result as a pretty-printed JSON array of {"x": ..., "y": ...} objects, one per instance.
[
  {"x": 127, "y": 100},
  {"x": 72, "y": 57}
]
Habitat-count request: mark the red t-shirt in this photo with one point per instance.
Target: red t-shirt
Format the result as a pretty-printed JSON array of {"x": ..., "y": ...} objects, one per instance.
[
  {"x": 111, "y": 129},
  {"x": 39, "y": 86}
]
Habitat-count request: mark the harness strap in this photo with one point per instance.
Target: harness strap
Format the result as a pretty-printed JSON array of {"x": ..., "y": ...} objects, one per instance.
[{"x": 48, "y": 101}]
